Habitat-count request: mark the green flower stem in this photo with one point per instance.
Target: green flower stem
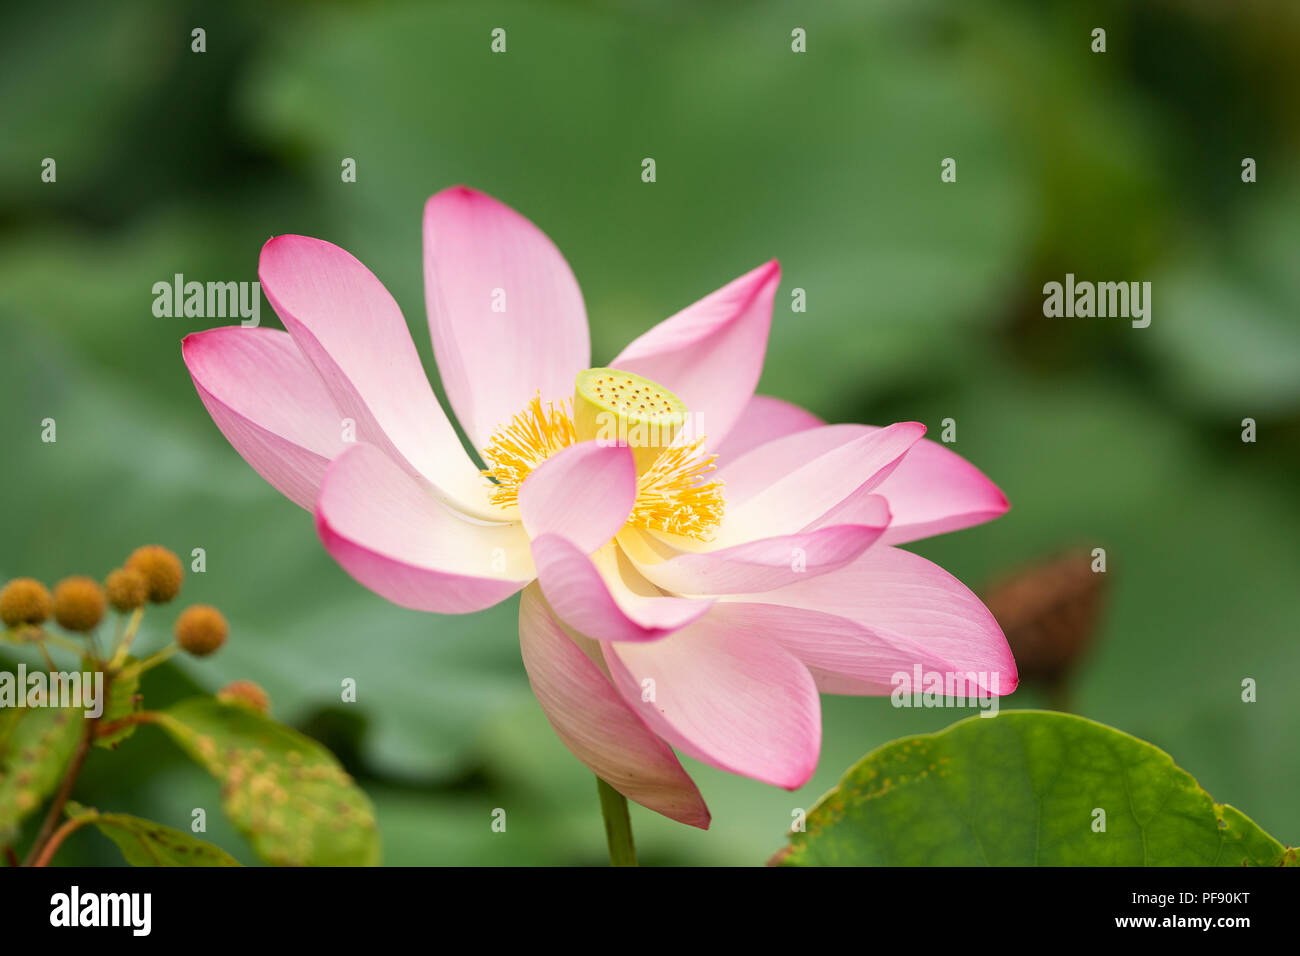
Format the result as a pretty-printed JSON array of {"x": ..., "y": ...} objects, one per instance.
[
  {"x": 124, "y": 642},
  {"x": 156, "y": 658},
  {"x": 58, "y": 640},
  {"x": 618, "y": 825}
]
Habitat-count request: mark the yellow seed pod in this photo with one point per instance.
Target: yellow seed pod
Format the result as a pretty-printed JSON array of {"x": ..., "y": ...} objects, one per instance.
[
  {"x": 78, "y": 603},
  {"x": 127, "y": 589},
  {"x": 25, "y": 601},
  {"x": 201, "y": 630},
  {"x": 244, "y": 693},
  {"x": 161, "y": 570},
  {"x": 622, "y": 408}
]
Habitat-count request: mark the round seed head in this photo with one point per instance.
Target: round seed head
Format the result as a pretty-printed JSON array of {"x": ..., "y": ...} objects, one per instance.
[
  {"x": 161, "y": 570},
  {"x": 25, "y": 601},
  {"x": 78, "y": 603},
  {"x": 201, "y": 630}
]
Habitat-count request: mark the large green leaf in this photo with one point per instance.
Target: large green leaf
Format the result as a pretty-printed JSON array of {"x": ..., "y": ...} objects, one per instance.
[
  {"x": 145, "y": 843},
  {"x": 35, "y": 746},
  {"x": 1024, "y": 789},
  {"x": 286, "y": 792}
]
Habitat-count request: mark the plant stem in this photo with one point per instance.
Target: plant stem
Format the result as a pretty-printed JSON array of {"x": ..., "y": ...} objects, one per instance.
[
  {"x": 69, "y": 778},
  {"x": 124, "y": 644},
  {"x": 49, "y": 661},
  {"x": 61, "y": 834},
  {"x": 65, "y": 790},
  {"x": 113, "y": 726},
  {"x": 618, "y": 825},
  {"x": 59, "y": 641},
  {"x": 156, "y": 658}
]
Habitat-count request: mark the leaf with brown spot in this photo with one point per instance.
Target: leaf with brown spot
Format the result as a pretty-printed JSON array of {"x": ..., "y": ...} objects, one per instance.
[
  {"x": 284, "y": 791},
  {"x": 36, "y": 746},
  {"x": 145, "y": 843}
]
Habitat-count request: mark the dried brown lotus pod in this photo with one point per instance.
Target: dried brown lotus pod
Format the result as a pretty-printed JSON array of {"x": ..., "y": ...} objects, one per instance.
[{"x": 1049, "y": 612}]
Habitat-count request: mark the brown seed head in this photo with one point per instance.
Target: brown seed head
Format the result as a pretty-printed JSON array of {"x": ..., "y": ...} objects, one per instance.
[
  {"x": 78, "y": 603},
  {"x": 201, "y": 630},
  {"x": 127, "y": 589},
  {"x": 161, "y": 570},
  {"x": 25, "y": 601}
]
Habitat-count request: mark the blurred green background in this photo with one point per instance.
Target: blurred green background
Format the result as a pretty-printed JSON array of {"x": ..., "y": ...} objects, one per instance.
[{"x": 924, "y": 302}]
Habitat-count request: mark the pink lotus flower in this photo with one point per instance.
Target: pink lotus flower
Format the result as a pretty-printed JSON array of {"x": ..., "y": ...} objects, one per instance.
[{"x": 665, "y": 604}]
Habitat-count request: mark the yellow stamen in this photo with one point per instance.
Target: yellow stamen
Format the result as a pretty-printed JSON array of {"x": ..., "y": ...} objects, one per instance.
[
  {"x": 532, "y": 436},
  {"x": 672, "y": 494}
]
